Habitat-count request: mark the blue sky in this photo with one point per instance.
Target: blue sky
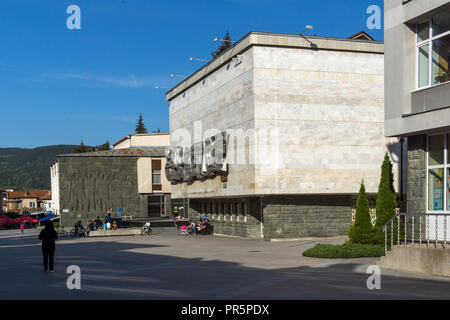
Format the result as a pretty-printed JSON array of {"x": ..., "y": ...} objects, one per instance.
[{"x": 61, "y": 86}]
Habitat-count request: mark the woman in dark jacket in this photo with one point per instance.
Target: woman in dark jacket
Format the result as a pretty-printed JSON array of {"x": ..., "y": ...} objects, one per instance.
[{"x": 48, "y": 237}]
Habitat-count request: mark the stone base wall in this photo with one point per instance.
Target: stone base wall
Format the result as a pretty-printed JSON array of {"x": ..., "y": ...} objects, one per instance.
[
  {"x": 296, "y": 216},
  {"x": 239, "y": 217},
  {"x": 307, "y": 216},
  {"x": 417, "y": 188}
]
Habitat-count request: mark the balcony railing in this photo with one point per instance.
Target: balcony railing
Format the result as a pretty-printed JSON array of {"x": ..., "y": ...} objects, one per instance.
[{"x": 418, "y": 229}]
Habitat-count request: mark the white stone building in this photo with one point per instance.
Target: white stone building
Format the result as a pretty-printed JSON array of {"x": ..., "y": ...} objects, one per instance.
[
  {"x": 311, "y": 115},
  {"x": 54, "y": 178}
]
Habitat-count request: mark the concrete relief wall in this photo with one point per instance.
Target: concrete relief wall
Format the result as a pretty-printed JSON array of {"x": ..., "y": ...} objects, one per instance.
[{"x": 91, "y": 185}]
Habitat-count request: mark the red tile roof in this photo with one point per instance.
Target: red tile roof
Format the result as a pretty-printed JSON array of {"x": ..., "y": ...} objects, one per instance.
[{"x": 28, "y": 194}]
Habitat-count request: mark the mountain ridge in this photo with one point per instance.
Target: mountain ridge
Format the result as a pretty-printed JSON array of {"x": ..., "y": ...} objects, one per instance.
[{"x": 29, "y": 168}]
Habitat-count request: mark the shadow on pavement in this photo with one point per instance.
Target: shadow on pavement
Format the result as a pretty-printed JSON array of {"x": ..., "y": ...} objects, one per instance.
[{"x": 109, "y": 271}]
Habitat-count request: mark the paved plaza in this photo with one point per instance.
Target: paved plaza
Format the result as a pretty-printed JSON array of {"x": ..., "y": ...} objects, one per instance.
[{"x": 168, "y": 265}]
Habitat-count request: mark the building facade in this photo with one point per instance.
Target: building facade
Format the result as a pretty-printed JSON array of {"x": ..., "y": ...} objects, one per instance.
[
  {"x": 417, "y": 45},
  {"x": 301, "y": 123},
  {"x": 143, "y": 140},
  {"x": 92, "y": 183},
  {"x": 26, "y": 201}
]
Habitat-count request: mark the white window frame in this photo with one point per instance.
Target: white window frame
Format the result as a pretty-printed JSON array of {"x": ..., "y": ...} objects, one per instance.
[
  {"x": 428, "y": 42},
  {"x": 445, "y": 168}
]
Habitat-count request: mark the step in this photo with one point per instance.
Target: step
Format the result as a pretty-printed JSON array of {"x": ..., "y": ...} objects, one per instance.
[
  {"x": 115, "y": 233},
  {"x": 420, "y": 259}
]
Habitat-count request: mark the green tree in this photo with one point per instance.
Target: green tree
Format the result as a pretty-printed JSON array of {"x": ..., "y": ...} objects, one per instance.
[
  {"x": 223, "y": 46},
  {"x": 386, "y": 201},
  {"x": 140, "y": 127},
  {"x": 361, "y": 231},
  {"x": 81, "y": 148},
  {"x": 104, "y": 147}
]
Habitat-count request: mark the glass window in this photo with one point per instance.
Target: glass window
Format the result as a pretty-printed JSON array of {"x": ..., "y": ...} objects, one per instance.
[
  {"x": 436, "y": 189},
  {"x": 424, "y": 66},
  {"x": 441, "y": 24},
  {"x": 436, "y": 150},
  {"x": 423, "y": 31},
  {"x": 156, "y": 176},
  {"x": 441, "y": 58}
]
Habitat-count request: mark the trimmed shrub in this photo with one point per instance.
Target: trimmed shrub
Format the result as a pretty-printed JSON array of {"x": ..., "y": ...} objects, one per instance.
[
  {"x": 361, "y": 231},
  {"x": 346, "y": 250}
]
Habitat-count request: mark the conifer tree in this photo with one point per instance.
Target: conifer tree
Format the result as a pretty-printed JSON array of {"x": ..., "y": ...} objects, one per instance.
[
  {"x": 361, "y": 231},
  {"x": 223, "y": 46},
  {"x": 81, "y": 148},
  {"x": 386, "y": 201},
  {"x": 140, "y": 127},
  {"x": 104, "y": 147}
]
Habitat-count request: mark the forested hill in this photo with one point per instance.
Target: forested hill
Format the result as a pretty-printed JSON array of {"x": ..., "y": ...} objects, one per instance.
[{"x": 25, "y": 169}]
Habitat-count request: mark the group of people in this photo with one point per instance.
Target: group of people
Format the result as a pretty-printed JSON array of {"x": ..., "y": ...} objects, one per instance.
[
  {"x": 107, "y": 224},
  {"x": 202, "y": 227}
]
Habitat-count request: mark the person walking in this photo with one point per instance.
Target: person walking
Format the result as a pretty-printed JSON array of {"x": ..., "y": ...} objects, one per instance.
[
  {"x": 21, "y": 228},
  {"x": 48, "y": 236}
]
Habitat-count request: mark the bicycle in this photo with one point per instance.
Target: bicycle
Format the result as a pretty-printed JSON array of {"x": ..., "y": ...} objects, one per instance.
[
  {"x": 61, "y": 233},
  {"x": 146, "y": 231},
  {"x": 77, "y": 232}
]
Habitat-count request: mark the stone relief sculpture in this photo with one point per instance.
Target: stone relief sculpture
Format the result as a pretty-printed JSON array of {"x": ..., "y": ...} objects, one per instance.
[
  {"x": 200, "y": 161},
  {"x": 93, "y": 189}
]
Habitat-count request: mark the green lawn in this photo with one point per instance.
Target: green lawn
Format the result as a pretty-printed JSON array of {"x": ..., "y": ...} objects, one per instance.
[{"x": 346, "y": 250}]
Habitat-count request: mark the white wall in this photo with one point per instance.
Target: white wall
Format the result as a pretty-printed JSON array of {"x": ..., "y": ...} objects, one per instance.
[
  {"x": 54, "y": 176},
  {"x": 327, "y": 106}
]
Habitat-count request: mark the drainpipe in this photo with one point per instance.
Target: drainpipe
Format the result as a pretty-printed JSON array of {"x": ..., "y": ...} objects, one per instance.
[
  {"x": 402, "y": 140},
  {"x": 262, "y": 224}
]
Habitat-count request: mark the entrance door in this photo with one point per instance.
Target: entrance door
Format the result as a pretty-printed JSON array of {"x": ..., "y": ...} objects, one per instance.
[{"x": 155, "y": 206}]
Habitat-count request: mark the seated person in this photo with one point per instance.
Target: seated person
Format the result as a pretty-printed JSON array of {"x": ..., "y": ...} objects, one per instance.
[
  {"x": 115, "y": 225},
  {"x": 88, "y": 229},
  {"x": 147, "y": 226},
  {"x": 192, "y": 227},
  {"x": 174, "y": 219},
  {"x": 183, "y": 228},
  {"x": 98, "y": 223},
  {"x": 202, "y": 228}
]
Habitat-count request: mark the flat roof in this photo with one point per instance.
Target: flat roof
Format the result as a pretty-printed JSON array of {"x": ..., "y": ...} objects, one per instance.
[
  {"x": 156, "y": 152},
  {"x": 255, "y": 38}
]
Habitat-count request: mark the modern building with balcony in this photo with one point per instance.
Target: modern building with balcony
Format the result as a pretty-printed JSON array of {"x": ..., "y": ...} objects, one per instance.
[
  {"x": 417, "y": 81},
  {"x": 417, "y": 97}
]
